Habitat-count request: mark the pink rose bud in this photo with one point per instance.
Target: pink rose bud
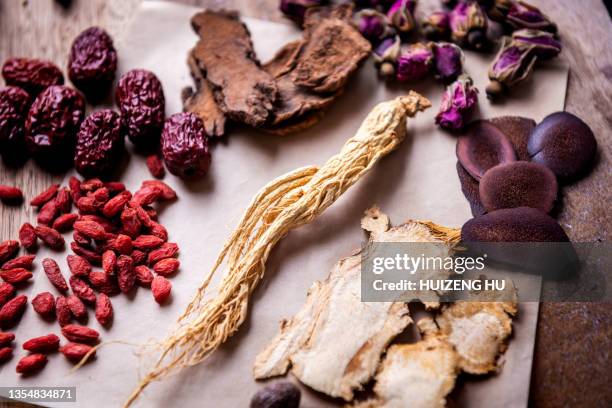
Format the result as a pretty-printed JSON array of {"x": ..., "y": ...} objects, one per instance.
[{"x": 457, "y": 102}]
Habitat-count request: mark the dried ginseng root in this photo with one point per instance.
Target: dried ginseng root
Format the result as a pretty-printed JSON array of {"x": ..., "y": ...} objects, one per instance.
[{"x": 290, "y": 201}]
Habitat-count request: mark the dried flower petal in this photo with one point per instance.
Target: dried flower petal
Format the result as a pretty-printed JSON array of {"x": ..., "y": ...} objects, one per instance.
[
  {"x": 458, "y": 100},
  {"x": 448, "y": 61},
  {"x": 401, "y": 15},
  {"x": 414, "y": 62},
  {"x": 468, "y": 24},
  {"x": 520, "y": 14},
  {"x": 545, "y": 46},
  {"x": 436, "y": 26}
]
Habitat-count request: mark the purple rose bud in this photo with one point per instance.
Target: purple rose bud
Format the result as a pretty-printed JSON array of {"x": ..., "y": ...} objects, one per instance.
[
  {"x": 371, "y": 24},
  {"x": 468, "y": 24},
  {"x": 457, "y": 102},
  {"x": 448, "y": 61},
  {"x": 385, "y": 56},
  {"x": 545, "y": 45},
  {"x": 524, "y": 15},
  {"x": 295, "y": 9},
  {"x": 436, "y": 26},
  {"x": 401, "y": 15},
  {"x": 513, "y": 63},
  {"x": 414, "y": 62}
]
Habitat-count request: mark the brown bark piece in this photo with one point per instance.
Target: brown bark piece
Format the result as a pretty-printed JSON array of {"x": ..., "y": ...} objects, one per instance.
[
  {"x": 242, "y": 89},
  {"x": 202, "y": 102},
  {"x": 333, "y": 50}
]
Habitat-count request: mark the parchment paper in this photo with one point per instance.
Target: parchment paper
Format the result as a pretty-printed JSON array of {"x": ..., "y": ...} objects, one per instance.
[{"x": 417, "y": 181}]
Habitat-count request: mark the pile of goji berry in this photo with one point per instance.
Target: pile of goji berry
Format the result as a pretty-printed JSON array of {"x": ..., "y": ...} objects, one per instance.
[{"x": 114, "y": 230}]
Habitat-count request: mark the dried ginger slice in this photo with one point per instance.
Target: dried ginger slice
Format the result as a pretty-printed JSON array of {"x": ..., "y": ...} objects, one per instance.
[
  {"x": 316, "y": 342},
  {"x": 417, "y": 375},
  {"x": 479, "y": 332}
]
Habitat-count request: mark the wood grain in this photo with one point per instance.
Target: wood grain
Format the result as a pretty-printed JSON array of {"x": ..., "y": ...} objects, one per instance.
[{"x": 42, "y": 28}]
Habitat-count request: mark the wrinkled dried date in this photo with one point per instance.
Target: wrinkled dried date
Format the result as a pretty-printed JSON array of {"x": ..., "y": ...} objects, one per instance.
[
  {"x": 51, "y": 126},
  {"x": 99, "y": 143},
  {"x": 33, "y": 75},
  {"x": 92, "y": 63},
  {"x": 185, "y": 145},
  {"x": 14, "y": 106},
  {"x": 140, "y": 98}
]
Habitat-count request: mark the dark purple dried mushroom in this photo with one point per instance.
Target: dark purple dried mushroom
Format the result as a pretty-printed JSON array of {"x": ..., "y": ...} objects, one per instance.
[
  {"x": 518, "y": 184},
  {"x": 469, "y": 188},
  {"x": 522, "y": 224},
  {"x": 92, "y": 63},
  {"x": 52, "y": 123},
  {"x": 32, "y": 75},
  {"x": 14, "y": 106},
  {"x": 517, "y": 129},
  {"x": 99, "y": 145},
  {"x": 563, "y": 143},
  {"x": 483, "y": 146},
  {"x": 140, "y": 98},
  {"x": 185, "y": 145}
]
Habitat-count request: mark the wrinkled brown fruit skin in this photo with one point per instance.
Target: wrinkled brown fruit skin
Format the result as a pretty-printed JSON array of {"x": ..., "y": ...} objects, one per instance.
[
  {"x": 92, "y": 63},
  {"x": 32, "y": 75},
  {"x": 51, "y": 126},
  {"x": 14, "y": 106},
  {"x": 185, "y": 145},
  {"x": 140, "y": 98},
  {"x": 100, "y": 142}
]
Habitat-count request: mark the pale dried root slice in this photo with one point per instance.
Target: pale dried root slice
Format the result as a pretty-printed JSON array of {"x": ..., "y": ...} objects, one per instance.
[
  {"x": 316, "y": 343},
  {"x": 479, "y": 331},
  {"x": 290, "y": 201},
  {"x": 418, "y": 375}
]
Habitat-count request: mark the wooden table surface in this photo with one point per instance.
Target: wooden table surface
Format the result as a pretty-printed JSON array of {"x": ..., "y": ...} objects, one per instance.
[{"x": 572, "y": 364}]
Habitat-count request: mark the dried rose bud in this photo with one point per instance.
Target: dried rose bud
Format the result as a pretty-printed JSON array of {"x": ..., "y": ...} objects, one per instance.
[
  {"x": 448, "y": 61},
  {"x": 296, "y": 9},
  {"x": 436, "y": 26},
  {"x": 468, "y": 24},
  {"x": 517, "y": 57},
  {"x": 520, "y": 14},
  {"x": 401, "y": 15},
  {"x": 414, "y": 62},
  {"x": 385, "y": 56},
  {"x": 457, "y": 102},
  {"x": 545, "y": 46},
  {"x": 371, "y": 24}
]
